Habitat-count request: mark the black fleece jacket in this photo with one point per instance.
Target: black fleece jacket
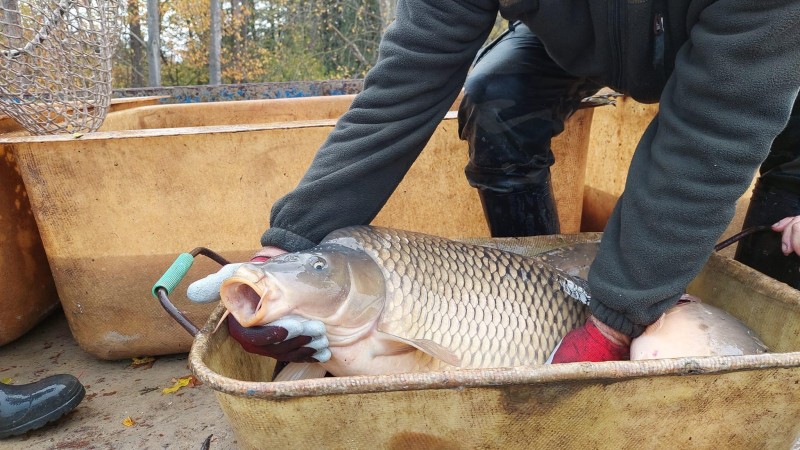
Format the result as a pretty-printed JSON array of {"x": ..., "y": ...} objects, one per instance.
[{"x": 726, "y": 73}]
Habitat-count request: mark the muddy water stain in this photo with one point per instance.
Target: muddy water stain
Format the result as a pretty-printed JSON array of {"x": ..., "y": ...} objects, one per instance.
[{"x": 410, "y": 439}]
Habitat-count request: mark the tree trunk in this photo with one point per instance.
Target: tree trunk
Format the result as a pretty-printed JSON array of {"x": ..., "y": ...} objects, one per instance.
[
  {"x": 388, "y": 11},
  {"x": 153, "y": 43},
  {"x": 11, "y": 23},
  {"x": 214, "y": 65},
  {"x": 239, "y": 28},
  {"x": 11, "y": 29},
  {"x": 137, "y": 44}
]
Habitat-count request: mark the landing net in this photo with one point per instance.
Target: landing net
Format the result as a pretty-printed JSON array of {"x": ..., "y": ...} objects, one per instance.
[{"x": 55, "y": 63}]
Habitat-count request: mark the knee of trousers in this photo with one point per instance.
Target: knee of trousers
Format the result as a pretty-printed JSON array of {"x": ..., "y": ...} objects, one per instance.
[
  {"x": 493, "y": 102},
  {"x": 510, "y": 179},
  {"x": 509, "y": 142}
]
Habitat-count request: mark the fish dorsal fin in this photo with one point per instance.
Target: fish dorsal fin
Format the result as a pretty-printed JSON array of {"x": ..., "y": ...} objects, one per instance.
[
  {"x": 575, "y": 287},
  {"x": 427, "y": 346},
  {"x": 300, "y": 371}
]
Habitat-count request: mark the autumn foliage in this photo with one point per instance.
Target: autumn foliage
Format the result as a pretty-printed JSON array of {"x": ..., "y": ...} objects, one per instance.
[{"x": 279, "y": 40}]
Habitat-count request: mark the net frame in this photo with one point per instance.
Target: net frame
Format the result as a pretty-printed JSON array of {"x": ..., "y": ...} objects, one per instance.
[{"x": 56, "y": 63}]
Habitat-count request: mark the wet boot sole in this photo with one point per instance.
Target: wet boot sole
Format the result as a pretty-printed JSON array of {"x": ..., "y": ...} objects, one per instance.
[{"x": 52, "y": 416}]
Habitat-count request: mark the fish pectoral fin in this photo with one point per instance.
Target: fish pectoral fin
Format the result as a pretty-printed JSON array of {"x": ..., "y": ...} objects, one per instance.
[
  {"x": 438, "y": 351},
  {"x": 300, "y": 371}
]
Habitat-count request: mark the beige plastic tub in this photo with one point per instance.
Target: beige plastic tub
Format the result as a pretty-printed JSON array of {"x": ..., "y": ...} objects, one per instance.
[
  {"x": 27, "y": 286},
  {"x": 616, "y": 131},
  {"x": 27, "y": 290},
  {"x": 114, "y": 208},
  {"x": 743, "y": 402},
  {"x": 183, "y": 115}
]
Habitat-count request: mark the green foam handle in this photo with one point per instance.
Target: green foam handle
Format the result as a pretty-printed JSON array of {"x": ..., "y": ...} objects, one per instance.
[{"x": 174, "y": 274}]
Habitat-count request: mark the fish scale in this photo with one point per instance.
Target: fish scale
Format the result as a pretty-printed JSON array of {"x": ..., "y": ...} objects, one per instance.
[{"x": 476, "y": 301}]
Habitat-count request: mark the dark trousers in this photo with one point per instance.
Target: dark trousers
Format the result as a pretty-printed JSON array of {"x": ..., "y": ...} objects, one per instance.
[
  {"x": 776, "y": 195},
  {"x": 517, "y": 98}
]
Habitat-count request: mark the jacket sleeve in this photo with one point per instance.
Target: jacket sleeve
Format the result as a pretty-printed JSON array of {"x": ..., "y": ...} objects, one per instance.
[
  {"x": 423, "y": 60},
  {"x": 730, "y": 95}
]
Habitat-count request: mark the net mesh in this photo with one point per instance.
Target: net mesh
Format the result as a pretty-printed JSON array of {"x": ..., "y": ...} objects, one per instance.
[{"x": 55, "y": 63}]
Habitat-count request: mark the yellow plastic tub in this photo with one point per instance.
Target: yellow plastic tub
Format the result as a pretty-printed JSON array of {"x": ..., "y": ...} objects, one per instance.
[
  {"x": 27, "y": 286},
  {"x": 114, "y": 207},
  {"x": 615, "y": 133},
  {"x": 745, "y": 402}
]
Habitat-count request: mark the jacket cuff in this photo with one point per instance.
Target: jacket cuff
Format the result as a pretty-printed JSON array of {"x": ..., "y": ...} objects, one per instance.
[
  {"x": 615, "y": 319},
  {"x": 286, "y": 240}
]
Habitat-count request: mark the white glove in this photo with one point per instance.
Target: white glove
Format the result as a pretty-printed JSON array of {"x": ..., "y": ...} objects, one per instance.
[{"x": 206, "y": 290}]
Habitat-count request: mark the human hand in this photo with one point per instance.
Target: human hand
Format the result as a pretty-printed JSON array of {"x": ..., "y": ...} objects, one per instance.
[
  {"x": 790, "y": 238},
  {"x": 595, "y": 342},
  {"x": 266, "y": 253},
  {"x": 206, "y": 290},
  {"x": 292, "y": 338}
]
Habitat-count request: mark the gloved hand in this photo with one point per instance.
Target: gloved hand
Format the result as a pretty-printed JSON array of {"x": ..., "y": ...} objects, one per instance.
[
  {"x": 594, "y": 341},
  {"x": 291, "y": 339},
  {"x": 790, "y": 239}
]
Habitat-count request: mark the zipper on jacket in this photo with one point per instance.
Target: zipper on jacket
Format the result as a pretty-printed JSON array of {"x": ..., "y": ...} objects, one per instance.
[
  {"x": 616, "y": 25},
  {"x": 663, "y": 56},
  {"x": 658, "y": 41}
]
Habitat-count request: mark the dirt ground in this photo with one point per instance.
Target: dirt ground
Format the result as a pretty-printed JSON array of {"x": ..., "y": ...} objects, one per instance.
[{"x": 115, "y": 391}]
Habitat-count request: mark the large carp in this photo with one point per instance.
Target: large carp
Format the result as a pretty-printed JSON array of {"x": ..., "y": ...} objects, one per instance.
[
  {"x": 395, "y": 301},
  {"x": 693, "y": 328}
]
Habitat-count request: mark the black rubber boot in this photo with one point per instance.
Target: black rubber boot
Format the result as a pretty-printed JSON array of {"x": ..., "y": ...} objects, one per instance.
[
  {"x": 762, "y": 250},
  {"x": 526, "y": 213},
  {"x": 29, "y": 406}
]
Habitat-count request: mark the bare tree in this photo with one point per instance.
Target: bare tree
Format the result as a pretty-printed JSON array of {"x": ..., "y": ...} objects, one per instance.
[
  {"x": 237, "y": 24},
  {"x": 137, "y": 44},
  {"x": 153, "y": 43},
  {"x": 11, "y": 22},
  {"x": 11, "y": 28},
  {"x": 388, "y": 12},
  {"x": 214, "y": 65},
  {"x": 254, "y": 41}
]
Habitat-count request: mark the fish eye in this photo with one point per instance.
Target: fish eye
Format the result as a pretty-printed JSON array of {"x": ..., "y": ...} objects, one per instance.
[{"x": 318, "y": 264}]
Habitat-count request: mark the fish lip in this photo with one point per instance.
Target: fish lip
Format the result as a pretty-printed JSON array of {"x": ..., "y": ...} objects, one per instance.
[{"x": 246, "y": 296}]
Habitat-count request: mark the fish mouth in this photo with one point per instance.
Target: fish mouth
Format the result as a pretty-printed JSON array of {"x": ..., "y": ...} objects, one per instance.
[{"x": 252, "y": 298}]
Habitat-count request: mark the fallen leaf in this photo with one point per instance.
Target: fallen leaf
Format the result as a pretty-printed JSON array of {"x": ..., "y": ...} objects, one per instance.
[
  {"x": 179, "y": 383},
  {"x": 143, "y": 361},
  {"x": 128, "y": 421},
  {"x": 194, "y": 382},
  {"x": 77, "y": 135},
  {"x": 7, "y": 381}
]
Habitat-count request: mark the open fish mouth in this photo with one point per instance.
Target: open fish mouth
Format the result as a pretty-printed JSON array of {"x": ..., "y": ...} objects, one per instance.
[{"x": 250, "y": 297}]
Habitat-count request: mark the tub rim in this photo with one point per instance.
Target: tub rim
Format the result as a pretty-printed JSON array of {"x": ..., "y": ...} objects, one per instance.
[{"x": 477, "y": 378}]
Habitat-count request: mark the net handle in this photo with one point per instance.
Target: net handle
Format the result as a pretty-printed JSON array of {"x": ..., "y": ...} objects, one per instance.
[{"x": 47, "y": 27}]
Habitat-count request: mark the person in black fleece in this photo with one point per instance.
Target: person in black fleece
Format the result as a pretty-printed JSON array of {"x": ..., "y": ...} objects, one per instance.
[{"x": 726, "y": 74}]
